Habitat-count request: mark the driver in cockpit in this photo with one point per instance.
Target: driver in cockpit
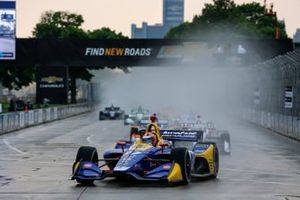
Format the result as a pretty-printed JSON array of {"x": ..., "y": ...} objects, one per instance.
[{"x": 153, "y": 131}]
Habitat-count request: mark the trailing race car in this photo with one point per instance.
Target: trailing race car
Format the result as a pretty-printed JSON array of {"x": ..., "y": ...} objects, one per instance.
[
  {"x": 111, "y": 112},
  {"x": 210, "y": 133},
  {"x": 136, "y": 115},
  {"x": 175, "y": 159},
  {"x": 220, "y": 137}
]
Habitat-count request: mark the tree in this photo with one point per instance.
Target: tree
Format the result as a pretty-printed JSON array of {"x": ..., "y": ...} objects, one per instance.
[
  {"x": 16, "y": 77},
  {"x": 62, "y": 24},
  {"x": 105, "y": 33},
  {"x": 225, "y": 19}
]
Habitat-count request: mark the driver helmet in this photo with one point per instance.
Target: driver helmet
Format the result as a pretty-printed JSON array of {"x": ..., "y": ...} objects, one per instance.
[{"x": 153, "y": 118}]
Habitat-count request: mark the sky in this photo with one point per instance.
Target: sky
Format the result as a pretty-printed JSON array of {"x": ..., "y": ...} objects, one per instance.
[{"x": 120, "y": 14}]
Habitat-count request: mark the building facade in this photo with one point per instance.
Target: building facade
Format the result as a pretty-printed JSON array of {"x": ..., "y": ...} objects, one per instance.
[
  {"x": 297, "y": 36},
  {"x": 173, "y": 15}
]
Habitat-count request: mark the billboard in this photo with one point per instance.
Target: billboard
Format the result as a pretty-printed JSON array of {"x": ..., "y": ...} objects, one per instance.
[
  {"x": 7, "y": 30},
  {"x": 173, "y": 12},
  {"x": 52, "y": 85},
  {"x": 144, "y": 52}
]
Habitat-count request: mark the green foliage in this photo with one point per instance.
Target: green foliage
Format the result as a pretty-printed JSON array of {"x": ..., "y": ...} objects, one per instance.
[
  {"x": 105, "y": 33},
  {"x": 16, "y": 77},
  {"x": 223, "y": 19},
  {"x": 59, "y": 24}
]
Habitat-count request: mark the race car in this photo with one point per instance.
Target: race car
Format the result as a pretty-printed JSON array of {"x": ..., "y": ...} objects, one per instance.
[
  {"x": 175, "y": 159},
  {"x": 210, "y": 133},
  {"x": 220, "y": 137},
  {"x": 136, "y": 115},
  {"x": 111, "y": 113}
]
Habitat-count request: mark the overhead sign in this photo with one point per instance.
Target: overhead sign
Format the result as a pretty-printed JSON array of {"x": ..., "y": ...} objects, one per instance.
[
  {"x": 288, "y": 97},
  {"x": 139, "y": 52},
  {"x": 7, "y": 30}
]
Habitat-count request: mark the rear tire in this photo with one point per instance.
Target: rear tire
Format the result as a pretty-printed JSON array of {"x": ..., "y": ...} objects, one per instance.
[
  {"x": 101, "y": 117},
  {"x": 182, "y": 157},
  {"x": 125, "y": 118},
  {"x": 216, "y": 161},
  {"x": 86, "y": 153}
]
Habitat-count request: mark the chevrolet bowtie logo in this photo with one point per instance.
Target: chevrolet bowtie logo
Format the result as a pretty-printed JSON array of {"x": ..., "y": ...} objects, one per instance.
[{"x": 52, "y": 79}]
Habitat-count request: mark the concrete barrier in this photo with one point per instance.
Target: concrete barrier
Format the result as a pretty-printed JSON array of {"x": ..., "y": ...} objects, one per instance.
[
  {"x": 285, "y": 125},
  {"x": 18, "y": 120}
]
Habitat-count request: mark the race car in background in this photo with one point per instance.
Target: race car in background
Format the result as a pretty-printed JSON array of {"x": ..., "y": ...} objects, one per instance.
[
  {"x": 136, "y": 115},
  {"x": 220, "y": 137},
  {"x": 111, "y": 113},
  {"x": 210, "y": 133},
  {"x": 175, "y": 159}
]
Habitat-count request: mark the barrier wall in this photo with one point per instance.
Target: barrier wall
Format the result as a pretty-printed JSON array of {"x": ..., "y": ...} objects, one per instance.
[
  {"x": 284, "y": 124},
  {"x": 18, "y": 120},
  {"x": 272, "y": 94}
]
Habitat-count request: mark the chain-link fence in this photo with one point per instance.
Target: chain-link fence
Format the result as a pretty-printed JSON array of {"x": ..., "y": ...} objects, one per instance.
[{"x": 273, "y": 97}]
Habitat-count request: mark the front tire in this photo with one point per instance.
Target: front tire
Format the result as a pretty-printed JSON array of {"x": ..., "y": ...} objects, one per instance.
[
  {"x": 182, "y": 157},
  {"x": 86, "y": 153}
]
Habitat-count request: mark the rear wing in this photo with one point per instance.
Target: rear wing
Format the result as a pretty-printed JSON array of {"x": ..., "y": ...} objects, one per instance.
[{"x": 180, "y": 135}]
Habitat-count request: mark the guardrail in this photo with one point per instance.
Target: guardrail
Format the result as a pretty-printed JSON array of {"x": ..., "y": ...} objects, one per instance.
[{"x": 18, "y": 120}]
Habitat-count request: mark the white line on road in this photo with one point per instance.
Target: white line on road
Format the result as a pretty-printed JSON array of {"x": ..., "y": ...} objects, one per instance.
[
  {"x": 12, "y": 147},
  {"x": 89, "y": 139},
  {"x": 259, "y": 181},
  {"x": 258, "y": 172}
]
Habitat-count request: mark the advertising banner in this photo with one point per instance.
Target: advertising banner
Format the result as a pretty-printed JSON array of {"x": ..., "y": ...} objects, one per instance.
[
  {"x": 142, "y": 52},
  {"x": 31, "y": 117},
  {"x": 7, "y": 30},
  {"x": 48, "y": 114},
  {"x": 52, "y": 85},
  {"x": 22, "y": 119},
  {"x": 40, "y": 116},
  {"x": 55, "y": 113},
  {"x": 288, "y": 97}
]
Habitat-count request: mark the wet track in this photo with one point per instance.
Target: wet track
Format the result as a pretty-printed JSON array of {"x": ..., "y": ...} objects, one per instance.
[{"x": 36, "y": 164}]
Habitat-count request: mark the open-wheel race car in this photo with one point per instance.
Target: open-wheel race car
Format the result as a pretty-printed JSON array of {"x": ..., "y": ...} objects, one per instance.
[
  {"x": 112, "y": 112},
  {"x": 210, "y": 134},
  {"x": 136, "y": 115},
  {"x": 176, "y": 157}
]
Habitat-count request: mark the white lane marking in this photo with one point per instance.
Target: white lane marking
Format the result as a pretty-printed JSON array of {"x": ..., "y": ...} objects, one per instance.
[
  {"x": 257, "y": 172},
  {"x": 258, "y": 181},
  {"x": 12, "y": 147},
  {"x": 89, "y": 139}
]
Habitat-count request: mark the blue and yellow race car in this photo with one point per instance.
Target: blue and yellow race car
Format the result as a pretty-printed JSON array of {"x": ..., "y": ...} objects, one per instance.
[{"x": 175, "y": 157}]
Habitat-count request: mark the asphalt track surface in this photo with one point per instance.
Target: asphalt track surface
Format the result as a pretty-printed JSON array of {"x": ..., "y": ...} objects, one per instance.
[{"x": 35, "y": 163}]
